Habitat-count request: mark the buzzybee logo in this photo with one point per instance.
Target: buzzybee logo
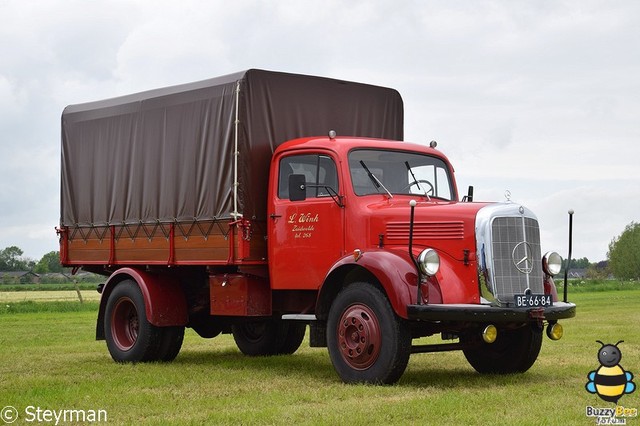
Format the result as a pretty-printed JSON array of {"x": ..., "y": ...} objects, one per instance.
[{"x": 610, "y": 381}]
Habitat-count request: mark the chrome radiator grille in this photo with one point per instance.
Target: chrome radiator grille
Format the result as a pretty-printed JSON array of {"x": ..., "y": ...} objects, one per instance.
[
  {"x": 509, "y": 252},
  {"x": 516, "y": 256}
]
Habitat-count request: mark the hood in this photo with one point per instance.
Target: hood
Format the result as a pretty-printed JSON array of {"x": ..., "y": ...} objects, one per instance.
[{"x": 448, "y": 227}]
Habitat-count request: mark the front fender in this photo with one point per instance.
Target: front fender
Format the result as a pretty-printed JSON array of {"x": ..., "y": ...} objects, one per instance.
[
  {"x": 394, "y": 271},
  {"x": 164, "y": 301},
  {"x": 458, "y": 282}
]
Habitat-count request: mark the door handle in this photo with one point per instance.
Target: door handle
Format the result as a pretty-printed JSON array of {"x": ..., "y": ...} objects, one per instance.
[{"x": 274, "y": 216}]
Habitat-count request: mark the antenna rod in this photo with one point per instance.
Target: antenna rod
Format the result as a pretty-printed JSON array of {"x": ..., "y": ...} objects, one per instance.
[
  {"x": 412, "y": 204},
  {"x": 566, "y": 269}
]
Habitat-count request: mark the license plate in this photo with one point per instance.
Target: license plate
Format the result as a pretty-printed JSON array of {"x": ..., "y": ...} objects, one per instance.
[{"x": 533, "y": 300}]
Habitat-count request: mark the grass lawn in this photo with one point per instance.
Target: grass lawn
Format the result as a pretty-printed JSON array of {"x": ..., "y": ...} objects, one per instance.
[{"x": 51, "y": 360}]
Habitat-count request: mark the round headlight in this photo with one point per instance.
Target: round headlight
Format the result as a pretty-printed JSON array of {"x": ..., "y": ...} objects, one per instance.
[
  {"x": 551, "y": 263},
  {"x": 429, "y": 262}
]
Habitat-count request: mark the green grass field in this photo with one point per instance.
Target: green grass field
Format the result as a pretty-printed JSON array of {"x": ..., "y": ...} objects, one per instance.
[{"x": 50, "y": 360}]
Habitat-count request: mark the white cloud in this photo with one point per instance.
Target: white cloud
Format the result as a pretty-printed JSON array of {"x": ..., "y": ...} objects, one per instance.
[
  {"x": 538, "y": 97},
  {"x": 601, "y": 213}
]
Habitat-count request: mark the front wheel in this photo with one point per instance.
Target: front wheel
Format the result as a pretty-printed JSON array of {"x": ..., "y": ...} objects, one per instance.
[
  {"x": 367, "y": 342},
  {"x": 514, "y": 351}
]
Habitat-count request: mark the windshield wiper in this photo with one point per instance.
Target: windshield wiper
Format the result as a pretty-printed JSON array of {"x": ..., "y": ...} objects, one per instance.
[
  {"x": 376, "y": 182},
  {"x": 415, "y": 181}
]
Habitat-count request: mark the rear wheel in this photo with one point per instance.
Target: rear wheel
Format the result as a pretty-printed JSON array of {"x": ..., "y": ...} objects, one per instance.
[
  {"x": 294, "y": 336},
  {"x": 268, "y": 337},
  {"x": 130, "y": 337},
  {"x": 514, "y": 351},
  {"x": 367, "y": 342},
  {"x": 171, "y": 342}
]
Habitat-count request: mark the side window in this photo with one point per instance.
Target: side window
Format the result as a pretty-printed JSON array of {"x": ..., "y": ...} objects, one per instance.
[{"x": 319, "y": 171}]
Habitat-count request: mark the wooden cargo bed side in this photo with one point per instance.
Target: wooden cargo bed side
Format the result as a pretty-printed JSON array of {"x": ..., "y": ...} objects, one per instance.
[{"x": 191, "y": 243}]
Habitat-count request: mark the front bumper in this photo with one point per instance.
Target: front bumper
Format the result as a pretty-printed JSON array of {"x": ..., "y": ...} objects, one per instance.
[{"x": 487, "y": 313}]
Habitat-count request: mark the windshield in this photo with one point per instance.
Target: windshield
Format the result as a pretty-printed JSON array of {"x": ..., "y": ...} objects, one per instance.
[{"x": 399, "y": 172}]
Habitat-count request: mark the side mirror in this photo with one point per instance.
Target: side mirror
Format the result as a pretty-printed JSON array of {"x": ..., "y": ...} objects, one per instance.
[
  {"x": 469, "y": 197},
  {"x": 297, "y": 188}
]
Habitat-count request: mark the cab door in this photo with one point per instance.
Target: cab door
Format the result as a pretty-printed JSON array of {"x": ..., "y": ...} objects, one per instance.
[{"x": 306, "y": 237}]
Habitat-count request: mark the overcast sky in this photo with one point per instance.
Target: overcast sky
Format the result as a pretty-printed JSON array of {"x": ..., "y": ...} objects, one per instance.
[{"x": 538, "y": 97}]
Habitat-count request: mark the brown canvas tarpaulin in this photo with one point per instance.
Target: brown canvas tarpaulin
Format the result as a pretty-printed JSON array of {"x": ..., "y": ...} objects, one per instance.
[{"x": 168, "y": 154}]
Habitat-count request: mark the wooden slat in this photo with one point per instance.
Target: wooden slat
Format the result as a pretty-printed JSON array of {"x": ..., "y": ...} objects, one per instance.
[{"x": 203, "y": 242}]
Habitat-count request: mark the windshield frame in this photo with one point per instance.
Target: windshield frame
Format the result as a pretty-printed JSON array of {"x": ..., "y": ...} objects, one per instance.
[{"x": 389, "y": 167}]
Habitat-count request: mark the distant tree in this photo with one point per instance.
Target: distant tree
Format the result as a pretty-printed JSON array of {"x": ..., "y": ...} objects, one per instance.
[
  {"x": 50, "y": 262},
  {"x": 624, "y": 253},
  {"x": 597, "y": 272},
  {"x": 11, "y": 259},
  {"x": 582, "y": 263}
]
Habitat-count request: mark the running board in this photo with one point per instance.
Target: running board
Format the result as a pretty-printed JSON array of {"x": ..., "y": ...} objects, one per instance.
[{"x": 299, "y": 317}]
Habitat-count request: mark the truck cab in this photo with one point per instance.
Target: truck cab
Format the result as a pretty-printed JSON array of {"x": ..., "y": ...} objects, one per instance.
[{"x": 385, "y": 215}]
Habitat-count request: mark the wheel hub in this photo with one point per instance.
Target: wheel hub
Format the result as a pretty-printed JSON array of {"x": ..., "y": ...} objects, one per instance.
[
  {"x": 125, "y": 324},
  {"x": 359, "y": 336}
]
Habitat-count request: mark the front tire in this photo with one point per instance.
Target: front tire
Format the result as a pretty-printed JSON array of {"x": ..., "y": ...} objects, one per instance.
[
  {"x": 367, "y": 342},
  {"x": 514, "y": 351}
]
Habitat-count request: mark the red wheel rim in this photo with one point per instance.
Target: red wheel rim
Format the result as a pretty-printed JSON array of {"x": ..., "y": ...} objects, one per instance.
[
  {"x": 124, "y": 324},
  {"x": 359, "y": 337}
]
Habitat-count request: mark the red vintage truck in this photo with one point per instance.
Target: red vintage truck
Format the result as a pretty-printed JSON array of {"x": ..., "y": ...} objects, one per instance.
[{"x": 261, "y": 202}]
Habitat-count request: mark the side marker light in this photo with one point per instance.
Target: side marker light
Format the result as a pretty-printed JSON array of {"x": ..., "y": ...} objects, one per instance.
[{"x": 357, "y": 254}]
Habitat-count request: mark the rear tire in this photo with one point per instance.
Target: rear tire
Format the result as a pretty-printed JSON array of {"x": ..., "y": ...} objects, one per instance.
[
  {"x": 294, "y": 335},
  {"x": 171, "y": 343},
  {"x": 367, "y": 342},
  {"x": 130, "y": 337},
  {"x": 514, "y": 351},
  {"x": 268, "y": 337}
]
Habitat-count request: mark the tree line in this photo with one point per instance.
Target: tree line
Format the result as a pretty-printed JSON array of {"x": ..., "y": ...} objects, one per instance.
[
  {"x": 623, "y": 259},
  {"x": 624, "y": 253},
  {"x": 11, "y": 259}
]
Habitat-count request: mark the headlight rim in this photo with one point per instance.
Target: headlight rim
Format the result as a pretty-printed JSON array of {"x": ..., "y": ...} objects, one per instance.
[
  {"x": 548, "y": 263},
  {"x": 429, "y": 262}
]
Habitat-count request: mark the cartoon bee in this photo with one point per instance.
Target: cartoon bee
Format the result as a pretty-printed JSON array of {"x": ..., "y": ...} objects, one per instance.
[{"x": 610, "y": 381}]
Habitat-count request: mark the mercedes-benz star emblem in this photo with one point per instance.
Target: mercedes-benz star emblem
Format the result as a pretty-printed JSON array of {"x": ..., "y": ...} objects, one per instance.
[{"x": 521, "y": 257}]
